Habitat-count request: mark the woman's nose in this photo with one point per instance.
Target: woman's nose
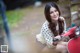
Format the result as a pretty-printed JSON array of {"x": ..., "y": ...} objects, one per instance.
[{"x": 54, "y": 13}]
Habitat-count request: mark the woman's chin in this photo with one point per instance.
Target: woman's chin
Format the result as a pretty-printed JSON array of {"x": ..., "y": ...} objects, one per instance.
[{"x": 56, "y": 19}]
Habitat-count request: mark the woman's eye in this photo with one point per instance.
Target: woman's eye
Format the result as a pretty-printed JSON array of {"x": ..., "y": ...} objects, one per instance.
[
  {"x": 51, "y": 12},
  {"x": 55, "y": 10}
]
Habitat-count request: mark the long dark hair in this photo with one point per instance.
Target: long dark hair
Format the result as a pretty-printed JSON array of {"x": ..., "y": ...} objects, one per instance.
[{"x": 52, "y": 25}]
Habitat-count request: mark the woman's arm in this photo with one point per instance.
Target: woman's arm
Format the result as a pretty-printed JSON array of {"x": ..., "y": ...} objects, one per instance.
[
  {"x": 47, "y": 34},
  {"x": 68, "y": 34}
]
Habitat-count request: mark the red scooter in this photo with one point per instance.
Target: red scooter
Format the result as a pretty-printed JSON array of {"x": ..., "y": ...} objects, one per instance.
[{"x": 74, "y": 42}]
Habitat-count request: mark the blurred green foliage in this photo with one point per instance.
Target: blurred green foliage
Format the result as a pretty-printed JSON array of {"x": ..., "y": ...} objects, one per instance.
[
  {"x": 74, "y": 8},
  {"x": 14, "y": 16}
]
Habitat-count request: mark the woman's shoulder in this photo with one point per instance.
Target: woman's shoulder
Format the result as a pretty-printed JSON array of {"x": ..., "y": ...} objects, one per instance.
[
  {"x": 46, "y": 22},
  {"x": 45, "y": 25}
]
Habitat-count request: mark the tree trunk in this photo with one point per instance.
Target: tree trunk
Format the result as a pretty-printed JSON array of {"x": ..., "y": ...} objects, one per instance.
[
  {"x": 65, "y": 10},
  {"x": 79, "y": 10}
]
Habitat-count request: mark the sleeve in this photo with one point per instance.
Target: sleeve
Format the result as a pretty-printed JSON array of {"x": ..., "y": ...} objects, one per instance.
[{"x": 48, "y": 36}]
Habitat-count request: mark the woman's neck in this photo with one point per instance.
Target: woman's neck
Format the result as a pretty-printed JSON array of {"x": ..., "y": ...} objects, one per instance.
[{"x": 56, "y": 22}]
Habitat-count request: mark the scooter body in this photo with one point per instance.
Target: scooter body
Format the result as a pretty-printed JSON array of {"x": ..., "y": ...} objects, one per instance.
[
  {"x": 74, "y": 45},
  {"x": 74, "y": 42}
]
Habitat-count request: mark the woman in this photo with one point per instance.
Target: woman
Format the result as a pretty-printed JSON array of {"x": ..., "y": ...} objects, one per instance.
[{"x": 54, "y": 25}]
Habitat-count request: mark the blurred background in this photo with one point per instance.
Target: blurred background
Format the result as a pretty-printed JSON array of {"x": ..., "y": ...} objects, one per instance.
[{"x": 24, "y": 19}]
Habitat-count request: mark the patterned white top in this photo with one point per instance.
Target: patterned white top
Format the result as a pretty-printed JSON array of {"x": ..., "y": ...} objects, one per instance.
[{"x": 47, "y": 34}]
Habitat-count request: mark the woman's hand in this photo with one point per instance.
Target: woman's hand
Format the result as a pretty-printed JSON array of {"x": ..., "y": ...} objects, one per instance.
[
  {"x": 58, "y": 37},
  {"x": 56, "y": 40},
  {"x": 55, "y": 43}
]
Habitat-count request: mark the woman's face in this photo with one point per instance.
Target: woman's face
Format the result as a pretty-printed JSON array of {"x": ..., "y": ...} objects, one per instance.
[{"x": 54, "y": 14}]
